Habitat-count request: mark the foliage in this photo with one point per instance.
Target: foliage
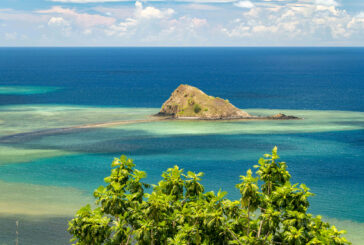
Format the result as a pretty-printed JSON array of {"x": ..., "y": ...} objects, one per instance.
[
  {"x": 190, "y": 101},
  {"x": 178, "y": 210},
  {"x": 197, "y": 108}
]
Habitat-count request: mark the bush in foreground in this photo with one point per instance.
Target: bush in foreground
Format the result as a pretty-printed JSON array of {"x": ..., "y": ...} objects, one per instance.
[{"x": 178, "y": 211}]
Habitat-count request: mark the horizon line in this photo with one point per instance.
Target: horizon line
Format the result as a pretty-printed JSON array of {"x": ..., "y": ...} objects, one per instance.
[{"x": 298, "y": 46}]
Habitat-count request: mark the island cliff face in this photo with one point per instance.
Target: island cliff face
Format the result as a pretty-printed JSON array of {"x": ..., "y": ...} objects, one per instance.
[{"x": 191, "y": 103}]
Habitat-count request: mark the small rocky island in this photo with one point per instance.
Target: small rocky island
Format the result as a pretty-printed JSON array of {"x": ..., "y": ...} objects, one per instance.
[{"x": 188, "y": 102}]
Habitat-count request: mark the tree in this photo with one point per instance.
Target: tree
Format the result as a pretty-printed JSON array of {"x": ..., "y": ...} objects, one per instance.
[{"x": 178, "y": 211}]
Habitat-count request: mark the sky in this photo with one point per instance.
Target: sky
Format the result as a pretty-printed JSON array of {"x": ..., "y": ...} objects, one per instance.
[{"x": 182, "y": 23}]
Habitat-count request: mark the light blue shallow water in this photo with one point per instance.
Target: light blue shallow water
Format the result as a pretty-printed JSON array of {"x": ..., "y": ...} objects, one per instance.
[
  {"x": 332, "y": 169},
  {"x": 63, "y": 169}
]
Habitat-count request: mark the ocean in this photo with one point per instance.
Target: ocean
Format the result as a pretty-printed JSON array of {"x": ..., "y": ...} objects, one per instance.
[{"x": 45, "y": 178}]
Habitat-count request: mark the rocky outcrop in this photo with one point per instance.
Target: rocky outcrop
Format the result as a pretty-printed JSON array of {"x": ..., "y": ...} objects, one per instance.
[
  {"x": 281, "y": 116},
  {"x": 188, "y": 102}
]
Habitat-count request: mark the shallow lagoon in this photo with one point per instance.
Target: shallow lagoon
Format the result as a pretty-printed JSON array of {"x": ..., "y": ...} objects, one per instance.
[
  {"x": 46, "y": 178},
  {"x": 325, "y": 150}
]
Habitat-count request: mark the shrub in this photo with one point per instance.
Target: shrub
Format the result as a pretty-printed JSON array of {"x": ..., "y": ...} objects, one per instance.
[
  {"x": 178, "y": 210},
  {"x": 190, "y": 101},
  {"x": 197, "y": 108}
]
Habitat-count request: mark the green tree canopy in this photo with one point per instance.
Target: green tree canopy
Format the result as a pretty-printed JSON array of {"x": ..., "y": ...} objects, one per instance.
[{"x": 178, "y": 210}]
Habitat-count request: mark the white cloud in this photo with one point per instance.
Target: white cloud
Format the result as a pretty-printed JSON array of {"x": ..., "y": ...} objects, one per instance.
[
  {"x": 197, "y": 6},
  {"x": 245, "y": 4},
  {"x": 83, "y": 20},
  {"x": 151, "y": 12},
  {"x": 87, "y": 32},
  {"x": 196, "y": 22},
  {"x": 122, "y": 28},
  {"x": 207, "y": 1},
  {"x": 116, "y": 12},
  {"x": 11, "y": 36},
  {"x": 327, "y": 2},
  {"x": 295, "y": 22},
  {"x": 11, "y": 15},
  {"x": 180, "y": 31},
  {"x": 106, "y": 1},
  {"x": 357, "y": 22},
  {"x": 57, "y": 21},
  {"x": 88, "y": 1},
  {"x": 360, "y": 15},
  {"x": 60, "y": 25},
  {"x": 255, "y": 22},
  {"x": 151, "y": 25},
  {"x": 142, "y": 16}
]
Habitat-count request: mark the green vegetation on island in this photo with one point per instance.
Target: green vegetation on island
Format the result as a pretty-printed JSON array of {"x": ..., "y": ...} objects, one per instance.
[{"x": 178, "y": 210}]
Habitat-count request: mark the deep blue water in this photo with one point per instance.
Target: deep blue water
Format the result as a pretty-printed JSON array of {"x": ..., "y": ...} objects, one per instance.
[
  {"x": 284, "y": 78},
  {"x": 331, "y": 163}
]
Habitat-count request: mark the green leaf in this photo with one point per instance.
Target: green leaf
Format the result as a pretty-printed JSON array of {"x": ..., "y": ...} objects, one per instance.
[{"x": 178, "y": 211}]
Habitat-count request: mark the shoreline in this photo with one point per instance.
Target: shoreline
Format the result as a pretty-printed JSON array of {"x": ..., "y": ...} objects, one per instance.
[{"x": 233, "y": 119}]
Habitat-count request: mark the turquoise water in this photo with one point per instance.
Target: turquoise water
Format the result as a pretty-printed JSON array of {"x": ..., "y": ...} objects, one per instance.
[
  {"x": 25, "y": 90},
  {"x": 46, "y": 177},
  {"x": 53, "y": 175}
]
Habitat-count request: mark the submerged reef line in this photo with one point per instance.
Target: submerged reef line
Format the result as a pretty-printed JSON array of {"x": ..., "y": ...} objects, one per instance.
[{"x": 13, "y": 138}]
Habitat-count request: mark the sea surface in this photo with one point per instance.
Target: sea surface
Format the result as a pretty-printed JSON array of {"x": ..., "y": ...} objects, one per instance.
[{"x": 45, "y": 176}]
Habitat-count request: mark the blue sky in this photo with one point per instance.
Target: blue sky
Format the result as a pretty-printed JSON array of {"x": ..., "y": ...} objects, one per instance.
[{"x": 182, "y": 23}]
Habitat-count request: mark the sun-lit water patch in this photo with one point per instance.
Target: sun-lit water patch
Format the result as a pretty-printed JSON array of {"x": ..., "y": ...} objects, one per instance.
[
  {"x": 27, "y": 118},
  {"x": 139, "y": 142},
  {"x": 321, "y": 151},
  {"x": 139, "y": 137},
  {"x": 30, "y": 199},
  {"x": 313, "y": 121},
  {"x": 26, "y": 90},
  {"x": 320, "y": 160},
  {"x": 17, "y": 154}
]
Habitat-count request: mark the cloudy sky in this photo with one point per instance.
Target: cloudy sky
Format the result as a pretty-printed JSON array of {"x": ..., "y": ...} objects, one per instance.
[{"x": 182, "y": 23}]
